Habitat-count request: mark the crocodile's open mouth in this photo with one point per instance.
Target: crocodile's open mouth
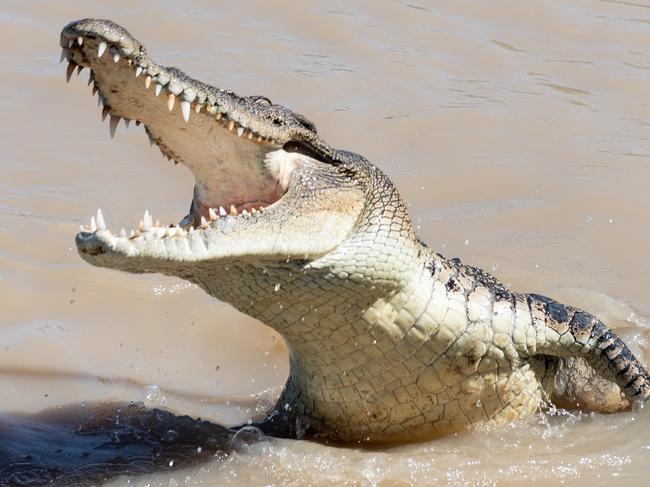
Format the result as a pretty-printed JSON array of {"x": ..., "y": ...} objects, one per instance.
[{"x": 232, "y": 145}]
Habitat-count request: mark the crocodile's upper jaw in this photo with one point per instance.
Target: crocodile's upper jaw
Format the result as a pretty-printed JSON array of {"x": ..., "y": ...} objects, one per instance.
[{"x": 234, "y": 146}]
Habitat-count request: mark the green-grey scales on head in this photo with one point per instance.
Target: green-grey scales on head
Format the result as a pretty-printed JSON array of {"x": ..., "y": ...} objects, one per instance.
[{"x": 388, "y": 340}]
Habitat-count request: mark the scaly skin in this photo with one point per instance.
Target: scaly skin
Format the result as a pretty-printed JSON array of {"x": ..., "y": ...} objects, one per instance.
[{"x": 388, "y": 340}]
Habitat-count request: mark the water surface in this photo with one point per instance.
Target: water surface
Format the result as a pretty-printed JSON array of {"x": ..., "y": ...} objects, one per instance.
[{"x": 519, "y": 135}]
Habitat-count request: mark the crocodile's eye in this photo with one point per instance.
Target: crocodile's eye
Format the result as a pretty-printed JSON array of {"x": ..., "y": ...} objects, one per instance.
[{"x": 262, "y": 100}]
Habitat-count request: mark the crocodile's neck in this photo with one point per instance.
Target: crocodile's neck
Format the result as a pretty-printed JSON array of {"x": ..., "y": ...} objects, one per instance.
[{"x": 341, "y": 335}]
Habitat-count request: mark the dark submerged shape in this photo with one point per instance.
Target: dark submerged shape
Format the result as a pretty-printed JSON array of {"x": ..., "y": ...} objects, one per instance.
[{"x": 87, "y": 445}]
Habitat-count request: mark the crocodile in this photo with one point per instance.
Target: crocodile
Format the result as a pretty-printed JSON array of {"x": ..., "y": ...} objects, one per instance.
[{"x": 388, "y": 340}]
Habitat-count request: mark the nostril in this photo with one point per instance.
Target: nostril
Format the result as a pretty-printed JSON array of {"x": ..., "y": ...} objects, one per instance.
[{"x": 86, "y": 244}]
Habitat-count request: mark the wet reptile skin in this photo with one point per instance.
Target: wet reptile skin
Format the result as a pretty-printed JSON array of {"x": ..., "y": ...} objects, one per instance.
[{"x": 388, "y": 340}]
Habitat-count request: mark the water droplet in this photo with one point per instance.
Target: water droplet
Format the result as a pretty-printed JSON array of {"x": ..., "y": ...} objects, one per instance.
[
  {"x": 170, "y": 437},
  {"x": 246, "y": 436},
  {"x": 152, "y": 393},
  {"x": 560, "y": 383}
]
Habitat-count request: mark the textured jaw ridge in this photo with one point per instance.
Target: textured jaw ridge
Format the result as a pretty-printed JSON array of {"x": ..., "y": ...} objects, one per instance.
[{"x": 172, "y": 86}]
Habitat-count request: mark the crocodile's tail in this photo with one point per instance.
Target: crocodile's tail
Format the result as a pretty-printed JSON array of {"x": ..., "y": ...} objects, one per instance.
[{"x": 570, "y": 332}]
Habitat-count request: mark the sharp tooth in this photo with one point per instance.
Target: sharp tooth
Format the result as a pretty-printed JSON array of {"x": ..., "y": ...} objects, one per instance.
[
  {"x": 219, "y": 116},
  {"x": 70, "y": 70},
  {"x": 80, "y": 40},
  {"x": 259, "y": 139},
  {"x": 170, "y": 101},
  {"x": 204, "y": 222},
  {"x": 171, "y": 231},
  {"x": 244, "y": 212},
  {"x": 91, "y": 77},
  {"x": 250, "y": 135},
  {"x": 123, "y": 233},
  {"x": 64, "y": 54},
  {"x": 101, "y": 49},
  {"x": 105, "y": 111},
  {"x": 222, "y": 211},
  {"x": 127, "y": 122},
  {"x": 231, "y": 125},
  {"x": 146, "y": 221},
  {"x": 116, "y": 57},
  {"x": 191, "y": 231},
  {"x": 132, "y": 233},
  {"x": 212, "y": 214},
  {"x": 93, "y": 224},
  {"x": 138, "y": 71},
  {"x": 129, "y": 62},
  {"x": 147, "y": 82},
  {"x": 185, "y": 108},
  {"x": 101, "y": 224},
  {"x": 197, "y": 107},
  {"x": 240, "y": 131},
  {"x": 158, "y": 88},
  {"x": 79, "y": 69},
  {"x": 253, "y": 211},
  {"x": 112, "y": 125},
  {"x": 233, "y": 210}
]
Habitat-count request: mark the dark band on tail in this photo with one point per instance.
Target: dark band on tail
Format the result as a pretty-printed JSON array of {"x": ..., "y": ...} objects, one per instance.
[{"x": 581, "y": 334}]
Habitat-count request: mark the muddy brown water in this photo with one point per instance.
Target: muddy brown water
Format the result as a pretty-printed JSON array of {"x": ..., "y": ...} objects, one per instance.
[{"x": 519, "y": 133}]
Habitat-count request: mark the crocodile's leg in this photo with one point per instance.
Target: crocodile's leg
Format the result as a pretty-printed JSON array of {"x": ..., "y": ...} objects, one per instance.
[{"x": 586, "y": 345}]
